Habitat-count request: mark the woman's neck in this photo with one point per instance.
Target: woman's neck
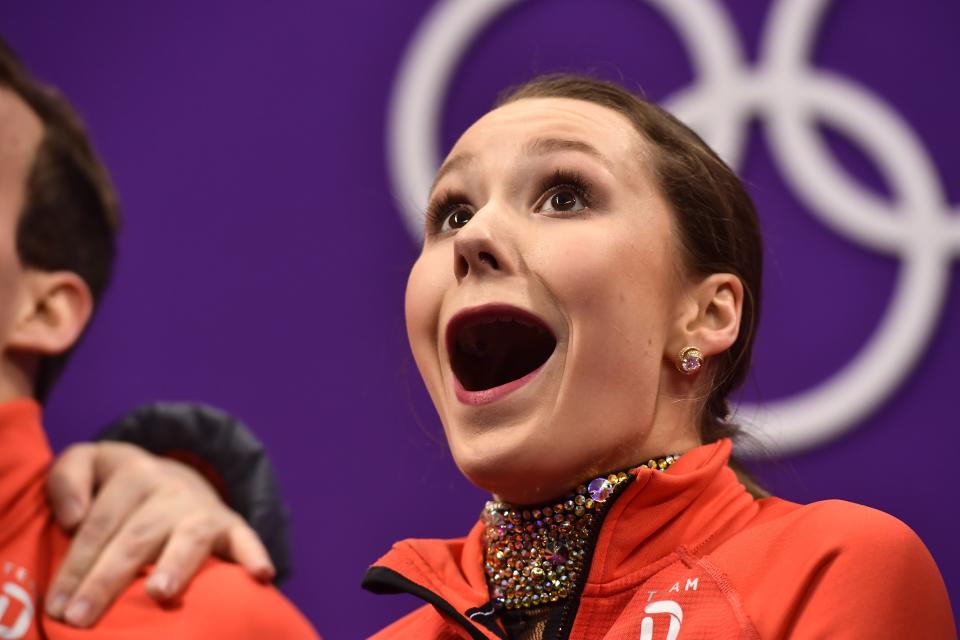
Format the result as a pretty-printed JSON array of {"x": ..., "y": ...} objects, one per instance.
[{"x": 536, "y": 491}]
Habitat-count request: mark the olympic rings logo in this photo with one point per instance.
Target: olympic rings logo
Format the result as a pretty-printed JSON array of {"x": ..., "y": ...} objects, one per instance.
[{"x": 789, "y": 97}]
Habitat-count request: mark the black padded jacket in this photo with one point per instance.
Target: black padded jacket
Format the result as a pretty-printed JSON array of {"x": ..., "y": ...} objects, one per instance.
[{"x": 229, "y": 450}]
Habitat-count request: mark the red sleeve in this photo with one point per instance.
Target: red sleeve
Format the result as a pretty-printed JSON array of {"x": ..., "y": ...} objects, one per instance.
[
  {"x": 879, "y": 582},
  {"x": 221, "y": 602},
  {"x": 422, "y": 622}
]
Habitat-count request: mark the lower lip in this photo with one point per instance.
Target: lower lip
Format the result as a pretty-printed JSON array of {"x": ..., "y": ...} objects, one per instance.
[{"x": 486, "y": 396}]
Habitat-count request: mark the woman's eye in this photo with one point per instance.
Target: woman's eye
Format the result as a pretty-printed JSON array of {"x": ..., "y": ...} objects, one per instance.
[
  {"x": 457, "y": 218},
  {"x": 564, "y": 200}
]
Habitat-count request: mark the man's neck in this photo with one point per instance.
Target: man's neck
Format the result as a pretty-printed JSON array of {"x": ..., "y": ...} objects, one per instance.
[{"x": 16, "y": 377}]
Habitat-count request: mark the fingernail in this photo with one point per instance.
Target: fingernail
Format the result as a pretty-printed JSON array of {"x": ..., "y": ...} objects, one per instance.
[
  {"x": 264, "y": 573},
  {"x": 161, "y": 583},
  {"x": 78, "y": 613},
  {"x": 56, "y": 604}
]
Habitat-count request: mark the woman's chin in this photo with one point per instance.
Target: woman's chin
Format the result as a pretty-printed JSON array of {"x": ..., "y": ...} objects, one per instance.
[{"x": 514, "y": 468}]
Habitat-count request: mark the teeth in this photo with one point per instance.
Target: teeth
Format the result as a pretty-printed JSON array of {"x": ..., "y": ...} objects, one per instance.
[
  {"x": 517, "y": 320},
  {"x": 469, "y": 339},
  {"x": 523, "y": 322}
]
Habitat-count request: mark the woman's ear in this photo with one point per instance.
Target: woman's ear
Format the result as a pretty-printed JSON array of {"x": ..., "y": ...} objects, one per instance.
[
  {"x": 710, "y": 320},
  {"x": 54, "y": 310}
]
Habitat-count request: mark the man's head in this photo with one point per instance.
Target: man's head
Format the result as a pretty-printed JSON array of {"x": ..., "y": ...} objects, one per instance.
[{"x": 58, "y": 221}]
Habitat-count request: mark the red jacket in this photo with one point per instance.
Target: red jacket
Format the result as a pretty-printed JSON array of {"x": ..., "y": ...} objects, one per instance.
[
  {"x": 689, "y": 554},
  {"x": 222, "y": 601}
]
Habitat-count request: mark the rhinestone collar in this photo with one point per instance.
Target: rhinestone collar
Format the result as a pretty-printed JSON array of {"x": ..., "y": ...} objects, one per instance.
[{"x": 534, "y": 555}]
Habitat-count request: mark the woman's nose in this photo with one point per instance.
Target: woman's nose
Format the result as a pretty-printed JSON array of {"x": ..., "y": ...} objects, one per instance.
[{"x": 480, "y": 248}]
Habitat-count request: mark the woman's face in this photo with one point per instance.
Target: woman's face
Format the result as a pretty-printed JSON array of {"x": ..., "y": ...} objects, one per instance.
[{"x": 547, "y": 305}]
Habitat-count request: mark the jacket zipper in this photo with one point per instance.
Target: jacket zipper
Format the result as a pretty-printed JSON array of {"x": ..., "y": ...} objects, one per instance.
[{"x": 571, "y": 606}]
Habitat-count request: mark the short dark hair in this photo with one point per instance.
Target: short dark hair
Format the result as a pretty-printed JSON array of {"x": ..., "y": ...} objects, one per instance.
[{"x": 70, "y": 216}]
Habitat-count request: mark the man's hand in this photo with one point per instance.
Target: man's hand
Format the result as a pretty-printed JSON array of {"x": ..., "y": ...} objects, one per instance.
[{"x": 131, "y": 508}]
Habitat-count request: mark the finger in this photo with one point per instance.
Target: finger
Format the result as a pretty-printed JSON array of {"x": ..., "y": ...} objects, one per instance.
[
  {"x": 137, "y": 543},
  {"x": 118, "y": 499},
  {"x": 188, "y": 546},
  {"x": 70, "y": 484},
  {"x": 243, "y": 546}
]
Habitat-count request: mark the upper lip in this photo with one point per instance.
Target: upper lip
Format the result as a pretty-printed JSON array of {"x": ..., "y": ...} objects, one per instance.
[{"x": 490, "y": 311}]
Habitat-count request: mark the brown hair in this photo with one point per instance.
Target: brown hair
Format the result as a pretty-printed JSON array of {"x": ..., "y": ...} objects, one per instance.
[
  {"x": 715, "y": 218},
  {"x": 70, "y": 216}
]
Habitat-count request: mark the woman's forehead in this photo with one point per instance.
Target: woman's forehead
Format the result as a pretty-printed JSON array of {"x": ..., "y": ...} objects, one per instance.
[
  {"x": 518, "y": 126},
  {"x": 531, "y": 127}
]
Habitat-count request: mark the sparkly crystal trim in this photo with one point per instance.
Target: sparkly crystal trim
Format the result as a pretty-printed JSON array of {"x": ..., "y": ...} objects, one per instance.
[{"x": 534, "y": 555}]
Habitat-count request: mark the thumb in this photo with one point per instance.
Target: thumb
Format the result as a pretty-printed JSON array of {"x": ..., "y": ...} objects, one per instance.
[{"x": 70, "y": 484}]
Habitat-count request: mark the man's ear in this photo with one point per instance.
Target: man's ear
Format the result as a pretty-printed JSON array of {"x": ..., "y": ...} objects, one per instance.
[
  {"x": 710, "y": 316},
  {"x": 54, "y": 310}
]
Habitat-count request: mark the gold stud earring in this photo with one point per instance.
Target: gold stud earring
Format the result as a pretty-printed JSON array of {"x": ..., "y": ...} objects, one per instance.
[{"x": 690, "y": 360}]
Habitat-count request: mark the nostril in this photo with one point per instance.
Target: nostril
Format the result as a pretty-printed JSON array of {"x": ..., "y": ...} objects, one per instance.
[
  {"x": 460, "y": 267},
  {"x": 489, "y": 259}
]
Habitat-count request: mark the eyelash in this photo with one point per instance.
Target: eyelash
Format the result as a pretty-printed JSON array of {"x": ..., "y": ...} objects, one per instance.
[
  {"x": 442, "y": 208},
  {"x": 446, "y": 204}
]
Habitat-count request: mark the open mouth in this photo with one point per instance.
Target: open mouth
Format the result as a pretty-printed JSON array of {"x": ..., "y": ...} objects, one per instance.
[{"x": 494, "y": 345}]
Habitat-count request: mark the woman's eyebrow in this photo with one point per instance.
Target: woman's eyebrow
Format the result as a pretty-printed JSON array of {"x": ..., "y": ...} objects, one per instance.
[
  {"x": 542, "y": 146},
  {"x": 451, "y": 164},
  {"x": 536, "y": 147}
]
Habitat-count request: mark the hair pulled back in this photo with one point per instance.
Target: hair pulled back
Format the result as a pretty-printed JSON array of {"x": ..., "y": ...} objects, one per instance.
[{"x": 715, "y": 219}]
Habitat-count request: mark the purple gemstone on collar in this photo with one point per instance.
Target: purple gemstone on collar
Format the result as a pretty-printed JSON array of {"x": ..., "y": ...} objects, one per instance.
[
  {"x": 556, "y": 554},
  {"x": 600, "y": 489}
]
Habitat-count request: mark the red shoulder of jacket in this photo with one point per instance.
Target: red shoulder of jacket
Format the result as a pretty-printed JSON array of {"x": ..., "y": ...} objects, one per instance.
[
  {"x": 834, "y": 569},
  {"x": 452, "y": 567},
  {"x": 831, "y": 527},
  {"x": 448, "y": 575},
  {"x": 221, "y": 602},
  {"x": 422, "y": 622}
]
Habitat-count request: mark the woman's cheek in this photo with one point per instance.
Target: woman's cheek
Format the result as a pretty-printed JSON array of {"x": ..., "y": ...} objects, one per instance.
[
  {"x": 424, "y": 298},
  {"x": 597, "y": 273},
  {"x": 611, "y": 291}
]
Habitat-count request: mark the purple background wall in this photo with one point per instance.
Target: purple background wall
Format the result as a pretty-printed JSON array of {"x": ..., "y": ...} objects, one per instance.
[{"x": 264, "y": 259}]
